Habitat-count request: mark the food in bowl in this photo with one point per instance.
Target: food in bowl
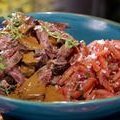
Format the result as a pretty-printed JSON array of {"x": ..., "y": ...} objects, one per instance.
[{"x": 39, "y": 61}]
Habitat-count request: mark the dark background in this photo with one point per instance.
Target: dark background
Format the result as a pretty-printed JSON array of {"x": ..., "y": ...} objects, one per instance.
[{"x": 109, "y": 9}]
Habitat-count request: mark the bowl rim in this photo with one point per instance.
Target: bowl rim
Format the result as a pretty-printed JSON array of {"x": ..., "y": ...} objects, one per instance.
[
  {"x": 77, "y": 15},
  {"x": 58, "y": 103}
]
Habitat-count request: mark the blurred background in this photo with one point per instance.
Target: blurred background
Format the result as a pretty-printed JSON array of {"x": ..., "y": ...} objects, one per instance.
[{"x": 109, "y": 9}]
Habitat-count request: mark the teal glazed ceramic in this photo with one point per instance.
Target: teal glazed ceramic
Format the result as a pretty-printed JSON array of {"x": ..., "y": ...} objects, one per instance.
[{"x": 82, "y": 28}]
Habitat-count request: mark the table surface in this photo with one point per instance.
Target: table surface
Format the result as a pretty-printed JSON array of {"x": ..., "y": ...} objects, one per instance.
[{"x": 115, "y": 116}]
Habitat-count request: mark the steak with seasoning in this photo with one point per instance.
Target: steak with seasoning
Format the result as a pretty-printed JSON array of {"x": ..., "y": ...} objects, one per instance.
[{"x": 39, "y": 61}]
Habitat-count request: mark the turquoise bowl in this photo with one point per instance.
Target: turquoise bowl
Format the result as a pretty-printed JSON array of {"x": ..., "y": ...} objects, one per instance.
[{"x": 82, "y": 27}]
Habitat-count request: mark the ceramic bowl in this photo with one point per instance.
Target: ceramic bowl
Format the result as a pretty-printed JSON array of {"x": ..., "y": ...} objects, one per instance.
[{"x": 82, "y": 27}]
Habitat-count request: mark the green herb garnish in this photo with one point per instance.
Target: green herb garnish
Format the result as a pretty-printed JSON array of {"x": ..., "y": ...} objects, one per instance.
[
  {"x": 12, "y": 28},
  {"x": 3, "y": 89},
  {"x": 69, "y": 40},
  {"x": 15, "y": 33},
  {"x": 15, "y": 19},
  {"x": 1, "y": 59},
  {"x": 2, "y": 64},
  {"x": 56, "y": 34},
  {"x": 71, "y": 43},
  {"x": 7, "y": 90},
  {"x": 10, "y": 89}
]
